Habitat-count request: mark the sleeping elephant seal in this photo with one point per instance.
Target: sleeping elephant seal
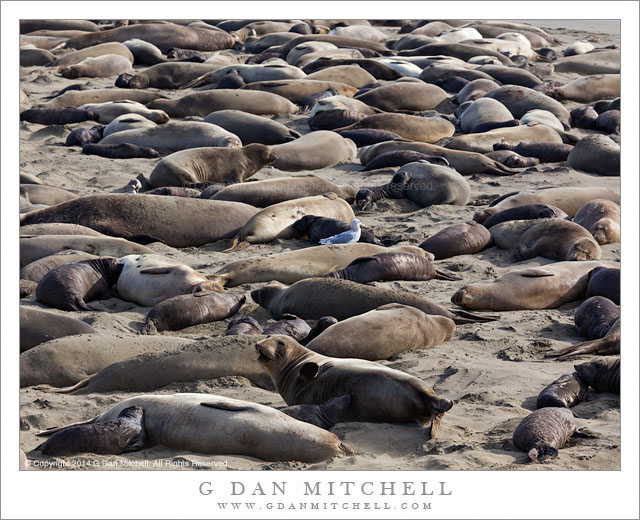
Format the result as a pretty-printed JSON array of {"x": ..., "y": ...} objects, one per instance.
[
  {"x": 414, "y": 128},
  {"x": 38, "y": 326},
  {"x": 276, "y": 221},
  {"x": 69, "y": 286},
  {"x": 596, "y": 154},
  {"x": 101, "y": 67},
  {"x": 484, "y": 142},
  {"x": 545, "y": 287},
  {"x": 272, "y": 191},
  {"x": 466, "y": 238},
  {"x": 120, "y": 151},
  {"x": 332, "y": 119},
  {"x": 150, "y": 279},
  {"x": 127, "y": 122},
  {"x": 194, "y": 222},
  {"x": 603, "y": 375},
  {"x": 435, "y": 184},
  {"x": 299, "y": 90},
  {"x": 49, "y": 195},
  {"x": 314, "y": 298},
  {"x": 57, "y": 115},
  {"x": 164, "y": 75},
  {"x": 526, "y": 212},
  {"x": 605, "y": 282},
  {"x": 292, "y": 266},
  {"x": 595, "y": 317},
  {"x": 401, "y": 96},
  {"x": 211, "y": 164},
  {"x": 366, "y": 336},
  {"x": 484, "y": 110},
  {"x": 187, "y": 310},
  {"x": 123, "y": 434},
  {"x": 104, "y": 49},
  {"x": 543, "y": 432},
  {"x": 602, "y": 219},
  {"x": 324, "y": 415},
  {"x": 385, "y": 267},
  {"x": 35, "y": 270},
  {"x": 112, "y": 110},
  {"x": 82, "y": 136},
  {"x": 290, "y": 325},
  {"x": 243, "y": 326},
  {"x": 552, "y": 238},
  {"x": 512, "y": 159},
  {"x": 545, "y": 151},
  {"x": 565, "y": 392},
  {"x": 589, "y": 88},
  {"x": 314, "y": 151},
  {"x": 520, "y": 100},
  {"x": 223, "y": 426},
  {"x": 378, "y": 393},
  {"x": 251, "y": 128},
  {"x": 76, "y": 98}
]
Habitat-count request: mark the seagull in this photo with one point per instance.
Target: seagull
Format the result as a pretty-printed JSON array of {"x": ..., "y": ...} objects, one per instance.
[
  {"x": 346, "y": 237},
  {"x": 133, "y": 186}
]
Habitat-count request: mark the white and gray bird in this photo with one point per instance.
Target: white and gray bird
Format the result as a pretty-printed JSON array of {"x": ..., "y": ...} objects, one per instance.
[
  {"x": 346, "y": 237},
  {"x": 133, "y": 186}
]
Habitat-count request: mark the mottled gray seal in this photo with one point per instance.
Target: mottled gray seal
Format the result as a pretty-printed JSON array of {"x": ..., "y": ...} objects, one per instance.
[
  {"x": 69, "y": 286},
  {"x": 583, "y": 117},
  {"x": 378, "y": 393},
  {"x": 602, "y": 219},
  {"x": 609, "y": 122},
  {"x": 565, "y": 392},
  {"x": 603, "y": 375},
  {"x": 243, "y": 326},
  {"x": 465, "y": 238},
  {"x": 187, "y": 310},
  {"x": 82, "y": 136},
  {"x": 38, "y": 326}
]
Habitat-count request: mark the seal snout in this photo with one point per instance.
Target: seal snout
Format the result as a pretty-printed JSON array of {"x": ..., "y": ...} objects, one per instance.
[
  {"x": 264, "y": 355},
  {"x": 461, "y": 297}
]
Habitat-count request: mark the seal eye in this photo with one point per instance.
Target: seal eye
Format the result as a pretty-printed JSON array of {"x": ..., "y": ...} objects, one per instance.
[{"x": 280, "y": 344}]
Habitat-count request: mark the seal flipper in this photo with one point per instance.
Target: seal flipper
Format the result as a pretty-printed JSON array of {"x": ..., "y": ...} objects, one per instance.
[
  {"x": 227, "y": 407},
  {"x": 463, "y": 317},
  {"x": 67, "y": 389},
  {"x": 585, "y": 433},
  {"x": 541, "y": 453},
  {"x": 51, "y": 431},
  {"x": 442, "y": 275}
]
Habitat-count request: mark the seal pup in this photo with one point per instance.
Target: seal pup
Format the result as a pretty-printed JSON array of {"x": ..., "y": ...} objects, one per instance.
[
  {"x": 223, "y": 426},
  {"x": 395, "y": 189},
  {"x": 35, "y": 270},
  {"x": 602, "y": 219},
  {"x": 82, "y": 136},
  {"x": 325, "y": 415},
  {"x": 543, "y": 432},
  {"x": 603, "y": 375},
  {"x": 69, "y": 286},
  {"x": 565, "y": 392},
  {"x": 187, "y": 310},
  {"x": 595, "y": 317},
  {"x": 605, "y": 282},
  {"x": 378, "y": 393},
  {"x": 290, "y": 325},
  {"x": 58, "y": 116},
  {"x": 120, "y": 151},
  {"x": 243, "y": 326},
  {"x": 526, "y": 212},
  {"x": 124, "y": 434}
]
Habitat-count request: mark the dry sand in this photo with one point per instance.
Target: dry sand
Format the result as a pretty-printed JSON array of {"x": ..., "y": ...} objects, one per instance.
[{"x": 495, "y": 370}]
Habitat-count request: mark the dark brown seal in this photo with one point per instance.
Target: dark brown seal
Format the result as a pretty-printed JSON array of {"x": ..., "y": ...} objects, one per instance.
[
  {"x": 243, "y": 326},
  {"x": 604, "y": 281},
  {"x": 603, "y": 375},
  {"x": 609, "y": 122},
  {"x": 57, "y": 116},
  {"x": 400, "y": 158},
  {"x": 565, "y": 392},
  {"x": 378, "y": 393},
  {"x": 332, "y": 119},
  {"x": 545, "y": 152},
  {"x": 290, "y": 325},
  {"x": 316, "y": 228},
  {"x": 120, "y": 151},
  {"x": 187, "y": 310},
  {"x": 396, "y": 189},
  {"x": 69, "y": 286},
  {"x": 369, "y": 136},
  {"x": 386, "y": 267},
  {"x": 512, "y": 159},
  {"x": 543, "y": 432},
  {"x": 595, "y": 317},
  {"x": 324, "y": 415},
  {"x": 82, "y": 136},
  {"x": 583, "y": 117},
  {"x": 321, "y": 325},
  {"x": 122, "y": 435},
  {"x": 458, "y": 239},
  {"x": 38, "y": 326},
  {"x": 526, "y": 212}
]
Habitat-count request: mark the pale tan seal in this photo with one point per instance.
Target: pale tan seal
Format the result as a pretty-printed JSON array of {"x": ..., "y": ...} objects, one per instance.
[
  {"x": 414, "y": 128},
  {"x": 483, "y": 143},
  {"x": 435, "y": 184},
  {"x": 296, "y": 90},
  {"x": 75, "y": 57},
  {"x": 351, "y": 75},
  {"x": 589, "y": 88},
  {"x": 601, "y": 62},
  {"x": 76, "y": 98},
  {"x": 314, "y": 151},
  {"x": 601, "y": 218},
  {"x": 111, "y": 110},
  {"x": 484, "y": 110},
  {"x": 395, "y": 97},
  {"x": 49, "y": 195},
  {"x": 100, "y": 67},
  {"x": 251, "y": 128},
  {"x": 127, "y": 122}
]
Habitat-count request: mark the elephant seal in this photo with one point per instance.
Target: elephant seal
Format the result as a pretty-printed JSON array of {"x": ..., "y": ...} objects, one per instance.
[
  {"x": 27, "y": 288},
  {"x": 569, "y": 200},
  {"x": 223, "y": 426},
  {"x": 316, "y": 228},
  {"x": 463, "y": 51},
  {"x": 231, "y": 80},
  {"x": 414, "y": 128},
  {"x": 601, "y": 62},
  {"x": 607, "y": 345},
  {"x": 276, "y": 221},
  {"x": 49, "y": 195},
  {"x": 162, "y": 35},
  {"x": 314, "y": 298},
  {"x": 335, "y": 118},
  {"x": 76, "y": 98},
  {"x": 434, "y": 184},
  {"x": 298, "y": 90},
  {"x": 293, "y": 266},
  {"x": 526, "y": 212},
  {"x": 484, "y": 110},
  {"x": 120, "y": 151},
  {"x": 413, "y": 97},
  {"x": 605, "y": 282},
  {"x": 111, "y": 110},
  {"x": 544, "y": 152},
  {"x": 96, "y": 51},
  {"x": 164, "y": 75},
  {"x": 304, "y": 377},
  {"x": 603, "y": 375},
  {"x": 385, "y": 267},
  {"x": 34, "y": 248},
  {"x": 174, "y": 191},
  {"x": 252, "y": 73},
  {"x": 69, "y": 286},
  {"x": 243, "y": 326},
  {"x": 150, "y": 279},
  {"x": 595, "y": 317},
  {"x": 520, "y": 100},
  {"x": 552, "y": 238},
  {"x": 187, "y": 310},
  {"x": 512, "y": 159},
  {"x": 466, "y": 238},
  {"x": 273, "y": 191},
  {"x": 565, "y": 392},
  {"x": 395, "y": 189},
  {"x": 38, "y": 326},
  {"x": 475, "y": 90},
  {"x": 602, "y": 219},
  {"x": 368, "y": 136},
  {"x": 543, "y": 432},
  {"x": 144, "y": 53},
  {"x": 35, "y": 270},
  {"x": 596, "y": 154},
  {"x": 400, "y": 158},
  {"x": 176, "y": 136},
  {"x": 58, "y": 229},
  {"x": 100, "y": 67},
  {"x": 194, "y": 222},
  {"x": 57, "y": 116},
  {"x": 325, "y": 415},
  {"x": 485, "y": 142},
  {"x": 29, "y": 178},
  {"x": 377, "y": 69},
  {"x": 609, "y": 122},
  {"x": 82, "y": 136},
  {"x": 543, "y": 117},
  {"x": 583, "y": 117},
  {"x": 127, "y": 122},
  {"x": 203, "y": 103},
  {"x": 201, "y": 166},
  {"x": 314, "y": 151},
  {"x": 453, "y": 84},
  {"x": 363, "y": 336},
  {"x": 353, "y": 75},
  {"x": 290, "y": 325},
  {"x": 251, "y": 128},
  {"x": 546, "y": 287},
  {"x": 205, "y": 359},
  {"x": 589, "y": 88},
  {"x": 29, "y": 26},
  {"x": 576, "y": 48},
  {"x": 124, "y": 434},
  {"x": 511, "y": 75},
  {"x": 480, "y": 128}
]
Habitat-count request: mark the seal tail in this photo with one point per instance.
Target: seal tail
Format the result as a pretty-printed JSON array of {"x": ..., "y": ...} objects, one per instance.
[
  {"x": 346, "y": 449},
  {"x": 442, "y": 275},
  {"x": 469, "y": 317},
  {"x": 67, "y": 389},
  {"x": 237, "y": 245}
]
